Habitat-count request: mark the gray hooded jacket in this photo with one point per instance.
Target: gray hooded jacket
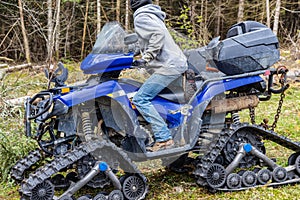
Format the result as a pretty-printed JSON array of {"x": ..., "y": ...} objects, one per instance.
[{"x": 156, "y": 43}]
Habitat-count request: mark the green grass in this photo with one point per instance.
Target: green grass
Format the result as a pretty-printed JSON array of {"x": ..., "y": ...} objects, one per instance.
[{"x": 163, "y": 184}]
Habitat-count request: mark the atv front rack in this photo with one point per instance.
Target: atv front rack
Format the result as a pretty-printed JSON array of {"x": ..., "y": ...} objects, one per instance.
[{"x": 35, "y": 107}]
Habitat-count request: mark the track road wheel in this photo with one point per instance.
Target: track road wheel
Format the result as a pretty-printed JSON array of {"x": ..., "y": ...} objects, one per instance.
[
  {"x": 134, "y": 187},
  {"x": 264, "y": 176},
  {"x": 43, "y": 191},
  {"x": 249, "y": 179},
  {"x": 100, "y": 196},
  {"x": 292, "y": 158},
  {"x": 297, "y": 164},
  {"x": 233, "y": 181},
  {"x": 116, "y": 195},
  {"x": 216, "y": 175},
  {"x": 279, "y": 174}
]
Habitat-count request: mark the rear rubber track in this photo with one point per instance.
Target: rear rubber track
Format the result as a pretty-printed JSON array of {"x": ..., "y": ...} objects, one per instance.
[{"x": 207, "y": 160}]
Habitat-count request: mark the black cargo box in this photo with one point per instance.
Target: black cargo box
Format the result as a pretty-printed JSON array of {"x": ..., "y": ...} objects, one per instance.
[{"x": 250, "y": 46}]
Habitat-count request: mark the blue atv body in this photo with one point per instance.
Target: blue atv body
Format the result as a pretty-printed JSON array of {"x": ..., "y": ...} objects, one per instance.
[{"x": 94, "y": 129}]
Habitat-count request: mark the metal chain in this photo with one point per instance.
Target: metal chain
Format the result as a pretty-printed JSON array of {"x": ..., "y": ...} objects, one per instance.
[
  {"x": 277, "y": 115},
  {"x": 252, "y": 114},
  {"x": 282, "y": 81},
  {"x": 280, "y": 103}
]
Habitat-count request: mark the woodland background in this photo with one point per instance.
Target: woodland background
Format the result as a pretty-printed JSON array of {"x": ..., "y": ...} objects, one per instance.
[{"x": 51, "y": 30}]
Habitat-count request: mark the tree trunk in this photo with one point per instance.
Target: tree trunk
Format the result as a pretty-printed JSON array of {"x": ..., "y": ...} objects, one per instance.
[
  {"x": 57, "y": 29},
  {"x": 118, "y": 7},
  {"x": 68, "y": 28},
  {"x": 268, "y": 13},
  {"x": 49, "y": 31},
  {"x": 276, "y": 17},
  {"x": 218, "y": 21},
  {"x": 206, "y": 14},
  {"x": 193, "y": 17},
  {"x": 157, "y": 2},
  {"x": 25, "y": 39},
  {"x": 84, "y": 28},
  {"x": 205, "y": 22},
  {"x": 241, "y": 10},
  {"x": 98, "y": 16},
  {"x": 127, "y": 15}
]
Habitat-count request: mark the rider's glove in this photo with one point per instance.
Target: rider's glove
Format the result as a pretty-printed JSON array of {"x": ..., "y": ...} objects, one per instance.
[
  {"x": 146, "y": 58},
  {"x": 139, "y": 63}
]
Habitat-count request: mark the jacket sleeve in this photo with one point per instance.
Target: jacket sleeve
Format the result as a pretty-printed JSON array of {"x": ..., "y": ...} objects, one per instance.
[{"x": 149, "y": 29}]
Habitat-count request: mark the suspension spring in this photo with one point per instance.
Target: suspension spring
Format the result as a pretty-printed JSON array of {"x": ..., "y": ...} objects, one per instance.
[
  {"x": 86, "y": 124},
  {"x": 235, "y": 118}
]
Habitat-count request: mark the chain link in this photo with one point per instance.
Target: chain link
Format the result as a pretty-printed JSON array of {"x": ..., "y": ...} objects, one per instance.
[
  {"x": 282, "y": 81},
  {"x": 252, "y": 114},
  {"x": 280, "y": 103},
  {"x": 277, "y": 115}
]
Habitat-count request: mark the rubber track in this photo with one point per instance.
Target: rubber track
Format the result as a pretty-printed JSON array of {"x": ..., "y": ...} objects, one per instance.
[
  {"x": 59, "y": 163},
  {"x": 207, "y": 160},
  {"x": 271, "y": 135},
  {"x": 295, "y": 180},
  {"x": 17, "y": 171}
]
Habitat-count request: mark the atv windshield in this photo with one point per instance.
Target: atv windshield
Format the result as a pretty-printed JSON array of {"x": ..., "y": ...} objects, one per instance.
[{"x": 110, "y": 39}]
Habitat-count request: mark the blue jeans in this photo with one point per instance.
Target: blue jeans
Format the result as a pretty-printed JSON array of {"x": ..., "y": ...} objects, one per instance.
[{"x": 142, "y": 100}]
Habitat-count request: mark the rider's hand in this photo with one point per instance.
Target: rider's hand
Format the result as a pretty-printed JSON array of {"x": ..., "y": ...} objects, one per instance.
[{"x": 139, "y": 63}]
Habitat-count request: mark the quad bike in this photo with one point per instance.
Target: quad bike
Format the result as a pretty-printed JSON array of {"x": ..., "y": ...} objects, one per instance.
[{"x": 90, "y": 134}]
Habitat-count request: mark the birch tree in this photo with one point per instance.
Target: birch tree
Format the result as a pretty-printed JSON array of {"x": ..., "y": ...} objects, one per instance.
[
  {"x": 241, "y": 11},
  {"x": 127, "y": 15},
  {"x": 276, "y": 17},
  {"x": 49, "y": 30},
  {"x": 268, "y": 13},
  {"x": 98, "y": 16},
  {"x": 51, "y": 22},
  {"x": 84, "y": 28},
  {"x": 25, "y": 38},
  {"x": 118, "y": 7},
  {"x": 57, "y": 29}
]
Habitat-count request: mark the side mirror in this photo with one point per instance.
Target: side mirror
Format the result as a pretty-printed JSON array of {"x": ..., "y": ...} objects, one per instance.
[{"x": 130, "y": 39}]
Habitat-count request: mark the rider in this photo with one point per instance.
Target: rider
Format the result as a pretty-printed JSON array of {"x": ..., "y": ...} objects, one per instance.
[{"x": 162, "y": 58}]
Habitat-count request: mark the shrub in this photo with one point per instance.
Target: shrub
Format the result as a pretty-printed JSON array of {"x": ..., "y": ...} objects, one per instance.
[{"x": 13, "y": 143}]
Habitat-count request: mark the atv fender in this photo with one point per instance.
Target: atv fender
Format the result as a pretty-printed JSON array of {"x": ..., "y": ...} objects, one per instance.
[
  {"x": 208, "y": 89},
  {"x": 116, "y": 100}
]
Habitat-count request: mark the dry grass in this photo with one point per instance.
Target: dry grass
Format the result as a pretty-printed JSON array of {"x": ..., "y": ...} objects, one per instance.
[{"x": 163, "y": 184}]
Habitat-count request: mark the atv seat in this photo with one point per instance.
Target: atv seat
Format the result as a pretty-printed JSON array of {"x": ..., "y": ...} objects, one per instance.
[{"x": 174, "y": 92}]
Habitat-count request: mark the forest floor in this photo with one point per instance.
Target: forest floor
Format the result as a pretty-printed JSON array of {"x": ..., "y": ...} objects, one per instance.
[{"x": 163, "y": 184}]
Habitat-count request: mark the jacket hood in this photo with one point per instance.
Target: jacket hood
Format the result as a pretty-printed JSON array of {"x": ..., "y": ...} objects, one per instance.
[{"x": 151, "y": 8}]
